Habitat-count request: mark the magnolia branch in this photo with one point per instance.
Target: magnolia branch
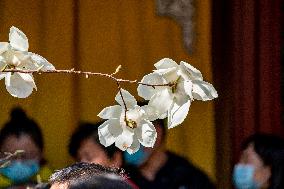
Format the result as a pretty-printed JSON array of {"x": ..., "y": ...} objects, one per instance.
[{"x": 87, "y": 74}]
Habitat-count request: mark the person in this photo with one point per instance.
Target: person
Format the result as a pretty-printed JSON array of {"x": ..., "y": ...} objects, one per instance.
[
  {"x": 158, "y": 168},
  {"x": 261, "y": 165},
  {"x": 26, "y": 168},
  {"x": 88, "y": 176},
  {"x": 85, "y": 146}
]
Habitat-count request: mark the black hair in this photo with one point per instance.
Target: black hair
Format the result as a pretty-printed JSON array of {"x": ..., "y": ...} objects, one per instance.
[
  {"x": 20, "y": 124},
  {"x": 270, "y": 149},
  {"x": 85, "y": 131},
  {"x": 86, "y": 175},
  {"x": 101, "y": 182}
]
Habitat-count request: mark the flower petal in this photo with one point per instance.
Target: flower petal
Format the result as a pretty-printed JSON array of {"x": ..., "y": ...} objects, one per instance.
[
  {"x": 124, "y": 140},
  {"x": 4, "y": 46},
  {"x": 161, "y": 101},
  {"x": 188, "y": 88},
  {"x": 17, "y": 86},
  {"x": 2, "y": 75},
  {"x": 169, "y": 74},
  {"x": 146, "y": 133},
  {"x": 129, "y": 100},
  {"x": 177, "y": 114},
  {"x": 41, "y": 61},
  {"x": 110, "y": 112},
  {"x": 8, "y": 78},
  {"x": 108, "y": 131},
  {"x": 165, "y": 63},
  {"x": 134, "y": 146},
  {"x": 147, "y": 92},
  {"x": 18, "y": 39},
  {"x": 202, "y": 90},
  {"x": 150, "y": 113},
  {"x": 190, "y": 72}
]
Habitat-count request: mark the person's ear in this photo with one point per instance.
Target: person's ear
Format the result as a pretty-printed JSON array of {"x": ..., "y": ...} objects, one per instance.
[{"x": 116, "y": 159}]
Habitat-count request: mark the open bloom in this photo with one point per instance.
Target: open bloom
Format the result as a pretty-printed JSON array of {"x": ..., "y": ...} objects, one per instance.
[
  {"x": 15, "y": 55},
  {"x": 179, "y": 85},
  {"x": 127, "y": 127}
]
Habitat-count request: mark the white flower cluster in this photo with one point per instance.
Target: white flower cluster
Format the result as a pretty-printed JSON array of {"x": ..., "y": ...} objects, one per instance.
[
  {"x": 170, "y": 89},
  {"x": 15, "y": 55}
]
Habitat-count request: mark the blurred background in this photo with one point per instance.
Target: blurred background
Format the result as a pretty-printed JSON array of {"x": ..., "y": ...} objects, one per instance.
[{"x": 235, "y": 44}]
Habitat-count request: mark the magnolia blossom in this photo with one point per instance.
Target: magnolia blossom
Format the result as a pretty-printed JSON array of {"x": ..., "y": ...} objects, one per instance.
[
  {"x": 128, "y": 126},
  {"x": 15, "y": 55},
  {"x": 179, "y": 85}
]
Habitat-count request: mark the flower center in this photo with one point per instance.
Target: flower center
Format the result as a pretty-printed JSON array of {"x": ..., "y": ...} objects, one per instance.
[
  {"x": 174, "y": 84},
  {"x": 130, "y": 123}
]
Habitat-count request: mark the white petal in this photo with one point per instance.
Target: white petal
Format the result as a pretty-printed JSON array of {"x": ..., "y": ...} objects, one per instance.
[
  {"x": 202, "y": 90},
  {"x": 134, "y": 146},
  {"x": 108, "y": 131},
  {"x": 177, "y": 114},
  {"x": 165, "y": 63},
  {"x": 26, "y": 77},
  {"x": 161, "y": 101},
  {"x": 146, "y": 133},
  {"x": 2, "y": 75},
  {"x": 190, "y": 71},
  {"x": 147, "y": 92},
  {"x": 41, "y": 61},
  {"x": 8, "y": 78},
  {"x": 188, "y": 88},
  {"x": 4, "y": 46},
  {"x": 110, "y": 112},
  {"x": 150, "y": 113},
  {"x": 18, "y": 87},
  {"x": 18, "y": 39},
  {"x": 129, "y": 100},
  {"x": 124, "y": 140},
  {"x": 169, "y": 74}
]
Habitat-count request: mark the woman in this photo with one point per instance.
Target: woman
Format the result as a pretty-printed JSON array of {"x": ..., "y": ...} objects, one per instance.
[
  {"x": 261, "y": 165},
  {"x": 28, "y": 167},
  {"x": 85, "y": 146}
]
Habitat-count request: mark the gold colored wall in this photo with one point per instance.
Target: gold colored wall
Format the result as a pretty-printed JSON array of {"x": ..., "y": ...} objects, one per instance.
[{"x": 97, "y": 36}]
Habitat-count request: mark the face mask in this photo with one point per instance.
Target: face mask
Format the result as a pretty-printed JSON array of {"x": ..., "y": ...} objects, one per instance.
[
  {"x": 138, "y": 158},
  {"x": 243, "y": 177},
  {"x": 20, "y": 171}
]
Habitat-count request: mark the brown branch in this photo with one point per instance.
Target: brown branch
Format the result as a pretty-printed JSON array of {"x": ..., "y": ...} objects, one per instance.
[{"x": 86, "y": 73}]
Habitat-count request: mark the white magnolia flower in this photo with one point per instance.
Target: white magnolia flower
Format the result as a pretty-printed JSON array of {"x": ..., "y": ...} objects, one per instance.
[
  {"x": 173, "y": 100},
  {"x": 15, "y": 55},
  {"x": 126, "y": 129}
]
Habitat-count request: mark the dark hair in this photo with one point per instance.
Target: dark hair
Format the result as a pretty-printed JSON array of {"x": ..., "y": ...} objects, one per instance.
[
  {"x": 86, "y": 175},
  {"x": 101, "y": 182},
  {"x": 20, "y": 124},
  {"x": 85, "y": 131},
  {"x": 270, "y": 148}
]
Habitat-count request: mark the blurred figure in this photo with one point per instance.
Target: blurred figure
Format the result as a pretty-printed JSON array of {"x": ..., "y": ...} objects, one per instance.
[
  {"x": 157, "y": 168},
  {"x": 22, "y": 133},
  {"x": 88, "y": 176},
  {"x": 261, "y": 165},
  {"x": 85, "y": 146}
]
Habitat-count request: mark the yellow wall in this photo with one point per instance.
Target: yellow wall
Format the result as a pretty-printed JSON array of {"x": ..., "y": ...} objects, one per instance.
[{"x": 110, "y": 33}]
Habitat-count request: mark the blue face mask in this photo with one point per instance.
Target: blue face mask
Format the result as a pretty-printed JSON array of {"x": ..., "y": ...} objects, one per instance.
[
  {"x": 243, "y": 177},
  {"x": 20, "y": 171},
  {"x": 138, "y": 158}
]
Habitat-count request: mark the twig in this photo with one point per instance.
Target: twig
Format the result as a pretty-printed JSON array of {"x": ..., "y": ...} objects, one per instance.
[{"x": 72, "y": 71}]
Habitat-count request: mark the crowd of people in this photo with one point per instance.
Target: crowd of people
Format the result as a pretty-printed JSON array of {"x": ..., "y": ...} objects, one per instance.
[{"x": 261, "y": 165}]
